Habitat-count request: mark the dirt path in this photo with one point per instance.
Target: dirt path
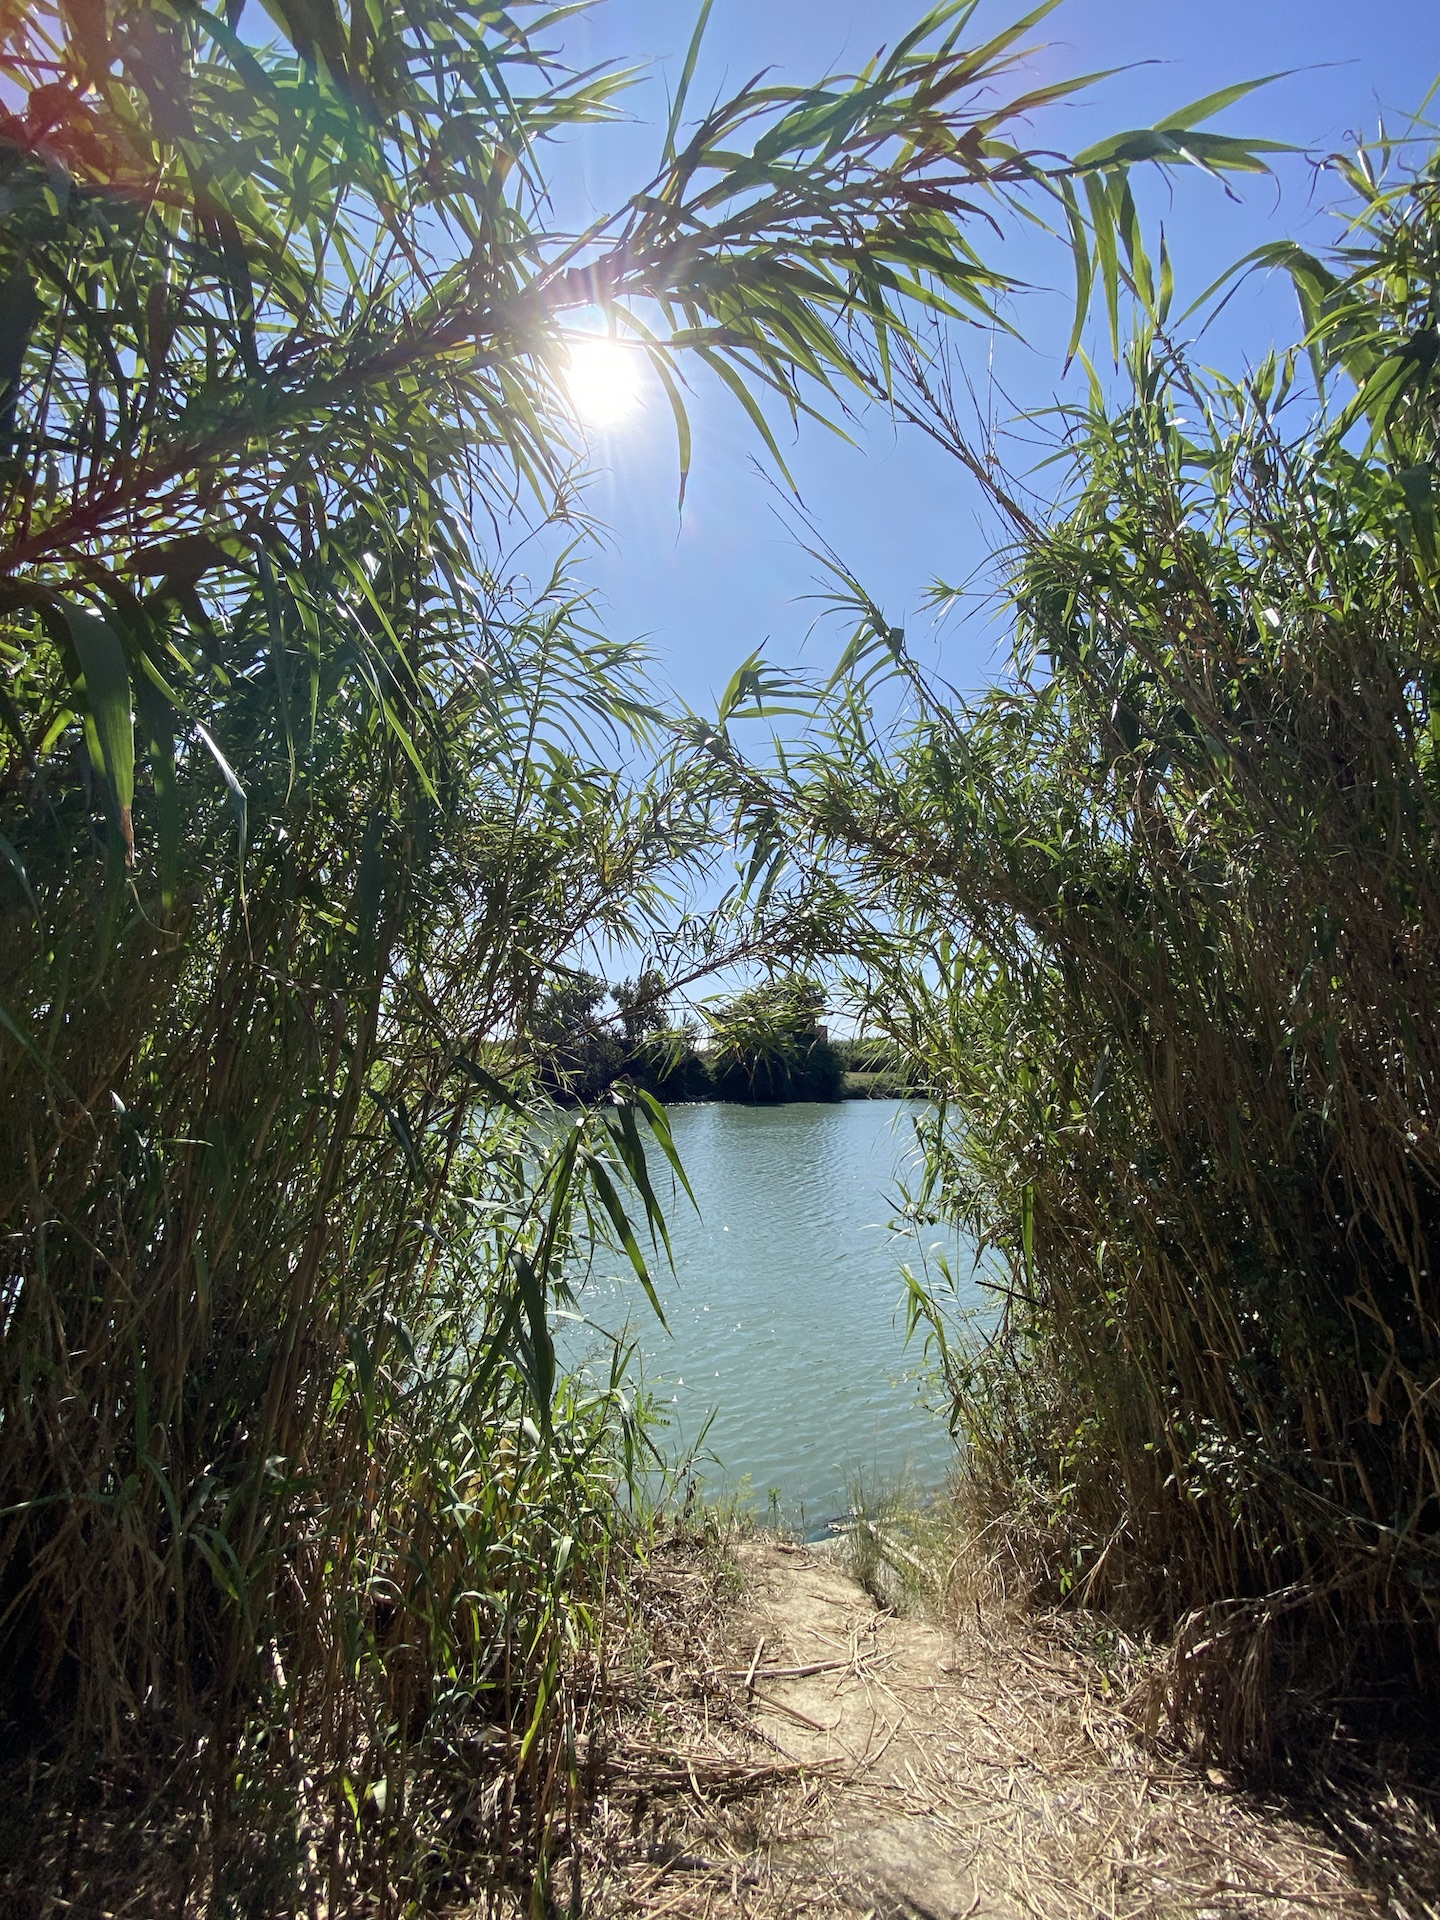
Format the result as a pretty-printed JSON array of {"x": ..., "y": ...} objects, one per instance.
[{"x": 935, "y": 1774}]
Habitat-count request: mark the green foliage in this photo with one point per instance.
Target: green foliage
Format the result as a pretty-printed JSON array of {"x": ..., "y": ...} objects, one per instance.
[
  {"x": 583, "y": 1054},
  {"x": 768, "y": 1045},
  {"x": 277, "y": 1335},
  {"x": 1157, "y": 920},
  {"x": 876, "y": 1069},
  {"x": 305, "y": 804}
]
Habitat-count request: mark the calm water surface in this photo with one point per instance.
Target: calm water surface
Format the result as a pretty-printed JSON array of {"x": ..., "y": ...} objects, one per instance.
[{"x": 786, "y": 1311}]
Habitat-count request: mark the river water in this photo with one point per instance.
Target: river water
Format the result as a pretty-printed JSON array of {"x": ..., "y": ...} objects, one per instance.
[{"x": 785, "y": 1311}]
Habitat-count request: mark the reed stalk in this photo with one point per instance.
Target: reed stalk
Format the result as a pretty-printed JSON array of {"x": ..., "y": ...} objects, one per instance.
[{"x": 1157, "y": 923}]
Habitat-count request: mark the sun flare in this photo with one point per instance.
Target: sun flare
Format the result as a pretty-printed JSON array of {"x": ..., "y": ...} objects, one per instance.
[{"x": 602, "y": 378}]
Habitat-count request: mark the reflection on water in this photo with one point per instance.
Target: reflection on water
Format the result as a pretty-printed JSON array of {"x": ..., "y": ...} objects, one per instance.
[{"x": 786, "y": 1310}]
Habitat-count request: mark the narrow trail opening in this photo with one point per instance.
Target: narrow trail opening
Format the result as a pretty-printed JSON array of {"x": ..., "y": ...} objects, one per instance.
[{"x": 899, "y": 1767}]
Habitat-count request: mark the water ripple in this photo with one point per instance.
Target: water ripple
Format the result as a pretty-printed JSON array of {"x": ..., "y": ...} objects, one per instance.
[{"x": 786, "y": 1311}]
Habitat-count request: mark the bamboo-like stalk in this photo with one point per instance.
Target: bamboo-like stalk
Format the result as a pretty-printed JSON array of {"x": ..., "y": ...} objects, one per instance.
[
  {"x": 1159, "y": 922},
  {"x": 304, "y": 803}
]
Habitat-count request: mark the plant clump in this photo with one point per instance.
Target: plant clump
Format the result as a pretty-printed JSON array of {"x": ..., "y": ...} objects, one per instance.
[{"x": 1157, "y": 921}]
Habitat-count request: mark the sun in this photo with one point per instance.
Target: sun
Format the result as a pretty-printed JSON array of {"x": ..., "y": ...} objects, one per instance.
[{"x": 602, "y": 378}]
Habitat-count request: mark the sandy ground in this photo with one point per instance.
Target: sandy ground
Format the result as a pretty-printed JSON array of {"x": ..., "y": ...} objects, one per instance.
[{"x": 828, "y": 1757}]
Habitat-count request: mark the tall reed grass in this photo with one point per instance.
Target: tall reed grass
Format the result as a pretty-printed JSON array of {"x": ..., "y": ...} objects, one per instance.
[
  {"x": 285, "y": 1490},
  {"x": 1158, "y": 922},
  {"x": 303, "y": 803}
]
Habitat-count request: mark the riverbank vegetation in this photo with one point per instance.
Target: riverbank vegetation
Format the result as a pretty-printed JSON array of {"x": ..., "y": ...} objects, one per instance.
[
  {"x": 309, "y": 795},
  {"x": 770, "y": 1045},
  {"x": 1157, "y": 918},
  {"x": 764, "y": 1045}
]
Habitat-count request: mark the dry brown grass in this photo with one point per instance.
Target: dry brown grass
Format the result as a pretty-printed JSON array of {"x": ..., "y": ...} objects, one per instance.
[
  {"x": 990, "y": 1767},
  {"x": 778, "y": 1743}
]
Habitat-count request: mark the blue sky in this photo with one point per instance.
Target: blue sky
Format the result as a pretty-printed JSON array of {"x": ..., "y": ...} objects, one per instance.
[{"x": 708, "y": 588}]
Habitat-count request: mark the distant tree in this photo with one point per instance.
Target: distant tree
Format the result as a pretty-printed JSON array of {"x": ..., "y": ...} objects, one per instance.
[
  {"x": 660, "y": 1057},
  {"x": 669, "y": 1065},
  {"x": 641, "y": 1005},
  {"x": 769, "y": 1046},
  {"x": 875, "y": 1068},
  {"x": 578, "y": 1052},
  {"x": 581, "y": 1051}
]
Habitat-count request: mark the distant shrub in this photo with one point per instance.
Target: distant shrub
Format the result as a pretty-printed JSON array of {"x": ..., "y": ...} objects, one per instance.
[{"x": 770, "y": 1046}]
